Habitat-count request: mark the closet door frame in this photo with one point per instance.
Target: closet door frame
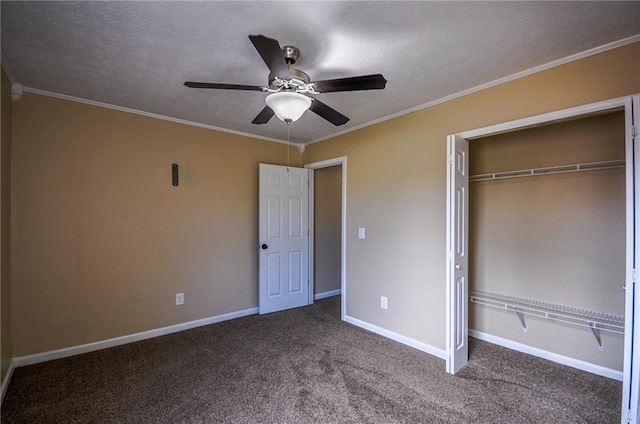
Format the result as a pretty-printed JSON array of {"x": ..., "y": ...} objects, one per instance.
[{"x": 631, "y": 106}]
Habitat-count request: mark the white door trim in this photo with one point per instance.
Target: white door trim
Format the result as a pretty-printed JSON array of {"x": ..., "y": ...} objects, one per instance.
[
  {"x": 621, "y": 103},
  {"x": 342, "y": 160},
  {"x": 547, "y": 118}
]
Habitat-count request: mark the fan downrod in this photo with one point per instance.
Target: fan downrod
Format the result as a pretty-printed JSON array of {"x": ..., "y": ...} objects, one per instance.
[{"x": 299, "y": 80}]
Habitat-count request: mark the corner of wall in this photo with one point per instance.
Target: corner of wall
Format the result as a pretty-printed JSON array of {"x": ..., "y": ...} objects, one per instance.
[
  {"x": 6, "y": 342},
  {"x": 6, "y": 379}
]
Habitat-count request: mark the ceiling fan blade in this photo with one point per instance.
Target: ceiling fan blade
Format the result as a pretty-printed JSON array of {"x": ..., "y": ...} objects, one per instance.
[
  {"x": 264, "y": 116},
  {"x": 328, "y": 113},
  {"x": 192, "y": 84},
  {"x": 364, "y": 82},
  {"x": 271, "y": 53}
]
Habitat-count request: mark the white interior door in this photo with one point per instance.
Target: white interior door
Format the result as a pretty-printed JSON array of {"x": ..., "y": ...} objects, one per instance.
[
  {"x": 283, "y": 238},
  {"x": 457, "y": 248},
  {"x": 631, "y": 372}
]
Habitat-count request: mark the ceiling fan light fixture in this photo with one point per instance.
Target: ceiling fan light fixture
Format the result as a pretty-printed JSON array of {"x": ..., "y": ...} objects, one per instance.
[{"x": 288, "y": 106}]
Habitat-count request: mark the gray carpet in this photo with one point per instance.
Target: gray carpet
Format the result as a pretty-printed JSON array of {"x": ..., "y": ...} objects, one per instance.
[{"x": 302, "y": 366}]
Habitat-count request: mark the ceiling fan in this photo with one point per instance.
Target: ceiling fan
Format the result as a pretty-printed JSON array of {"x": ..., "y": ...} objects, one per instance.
[{"x": 291, "y": 88}]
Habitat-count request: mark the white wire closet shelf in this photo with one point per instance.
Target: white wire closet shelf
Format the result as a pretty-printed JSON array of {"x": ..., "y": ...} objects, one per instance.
[
  {"x": 596, "y": 321},
  {"x": 590, "y": 166}
]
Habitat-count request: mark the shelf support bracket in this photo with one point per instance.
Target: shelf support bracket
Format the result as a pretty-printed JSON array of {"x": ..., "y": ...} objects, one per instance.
[
  {"x": 521, "y": 318},
  {"x": 596, "y": 334}
]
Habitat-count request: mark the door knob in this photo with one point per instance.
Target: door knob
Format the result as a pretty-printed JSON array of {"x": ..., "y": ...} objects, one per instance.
[{"x": 264, "y": 246}]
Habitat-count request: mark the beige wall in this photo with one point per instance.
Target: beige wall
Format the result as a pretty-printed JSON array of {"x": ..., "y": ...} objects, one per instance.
[
  {"x": 6, "y": 347},
  {"x": 327, "y": 228},
  {"x": 396, "y": 183},
  {"x": 102, "y": 241},
  {"x": 553, "y": 238}
]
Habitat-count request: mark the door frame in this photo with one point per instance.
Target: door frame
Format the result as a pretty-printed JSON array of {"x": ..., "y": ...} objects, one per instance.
[
  {"x": 630, "y": 104},
  {"x": 342, "y": 160}
]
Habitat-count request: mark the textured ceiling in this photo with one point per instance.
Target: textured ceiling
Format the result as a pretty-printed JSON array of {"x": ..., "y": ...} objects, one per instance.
[{"x": 138, "y": 54}]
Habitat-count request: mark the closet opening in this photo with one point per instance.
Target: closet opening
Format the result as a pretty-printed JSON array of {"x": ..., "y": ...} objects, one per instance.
[
  {"x": 556, "y": 236},
  {"x": 547, "y": 241}
]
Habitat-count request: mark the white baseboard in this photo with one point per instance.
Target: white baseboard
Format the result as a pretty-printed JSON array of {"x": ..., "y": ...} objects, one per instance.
[
  {"x": 330, "y": 293},
  {"x": 424, "y": 347},
  {"x": 554, "y": 357},
  {"x": 90, "y": 347},
  {"x": 6, "y": 380}
]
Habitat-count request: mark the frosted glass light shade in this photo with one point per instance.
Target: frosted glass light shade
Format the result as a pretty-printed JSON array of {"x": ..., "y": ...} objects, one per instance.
[{"x": 288, "y": 107}]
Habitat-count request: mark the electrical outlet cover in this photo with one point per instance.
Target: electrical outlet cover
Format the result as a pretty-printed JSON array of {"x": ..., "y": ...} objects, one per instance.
[{"x": 383, "y": 302}]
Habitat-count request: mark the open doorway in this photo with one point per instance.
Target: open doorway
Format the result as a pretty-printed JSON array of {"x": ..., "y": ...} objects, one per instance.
[
  {"x": 327, "y": 220},
  {"x": 327, "y": 238}
]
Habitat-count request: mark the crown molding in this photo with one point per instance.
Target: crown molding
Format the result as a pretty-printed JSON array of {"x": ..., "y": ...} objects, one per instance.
[
  {"x": 7, "y": 70},
  {"x": 512, "y": 77},
  {"x": 499, "y": 81},
  {"x": 147, "y": 114}
]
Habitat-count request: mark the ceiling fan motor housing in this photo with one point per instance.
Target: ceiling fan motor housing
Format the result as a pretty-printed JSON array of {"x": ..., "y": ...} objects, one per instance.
[
  {"x": 298, "y": 81},
  {"x": 291, "y": 54}
]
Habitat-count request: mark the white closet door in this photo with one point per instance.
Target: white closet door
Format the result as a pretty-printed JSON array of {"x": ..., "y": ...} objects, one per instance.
[
  {"x": 631, "y": 379},
  {"x": 457, "y": 257}
]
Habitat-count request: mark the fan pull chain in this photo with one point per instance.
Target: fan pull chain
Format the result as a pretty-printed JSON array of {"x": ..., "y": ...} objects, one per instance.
[{"x": 288, "y": 126}]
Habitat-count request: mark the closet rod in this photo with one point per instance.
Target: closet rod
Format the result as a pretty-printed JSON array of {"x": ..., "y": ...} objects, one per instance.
[{"x": 549, "y": 170}]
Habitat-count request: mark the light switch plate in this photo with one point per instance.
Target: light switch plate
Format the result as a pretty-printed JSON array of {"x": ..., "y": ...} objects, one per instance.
[{"x": 361, "y": 232}]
